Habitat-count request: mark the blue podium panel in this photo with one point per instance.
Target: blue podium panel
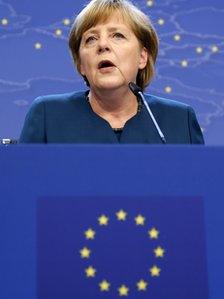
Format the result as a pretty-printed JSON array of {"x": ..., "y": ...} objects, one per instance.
[{"x": 100, "y": 221}]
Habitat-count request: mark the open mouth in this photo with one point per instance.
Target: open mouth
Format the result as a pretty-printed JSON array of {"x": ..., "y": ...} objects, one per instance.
[{"x": 105, "y": 64}]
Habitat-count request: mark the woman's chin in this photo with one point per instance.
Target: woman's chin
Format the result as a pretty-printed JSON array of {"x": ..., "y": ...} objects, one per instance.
[{"x": 111, "y": 84}]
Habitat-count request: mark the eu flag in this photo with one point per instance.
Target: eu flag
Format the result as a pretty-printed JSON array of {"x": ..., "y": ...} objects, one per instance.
[{"x": 121, "y": 247}]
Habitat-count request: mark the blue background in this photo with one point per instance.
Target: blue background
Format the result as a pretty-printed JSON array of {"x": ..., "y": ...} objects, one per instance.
[
  {"x": 121, "y": 252},
  {"x": 81, "y": 171},
  {"x": 27, "y": 72}
]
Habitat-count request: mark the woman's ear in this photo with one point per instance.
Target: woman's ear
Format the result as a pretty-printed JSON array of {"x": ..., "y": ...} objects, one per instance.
[
  {"x": 81, "y": 69},
  {"x": 143, "y": 58}
]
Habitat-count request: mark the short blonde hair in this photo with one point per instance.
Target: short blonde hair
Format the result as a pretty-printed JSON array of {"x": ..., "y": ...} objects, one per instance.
[{"x": 99, "y": 11}]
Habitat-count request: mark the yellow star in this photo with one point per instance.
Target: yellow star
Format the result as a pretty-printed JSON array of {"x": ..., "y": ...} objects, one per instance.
[
  {"x": 121, "y": 215},
  {"x": 4, "y": 21},
  {"x": 85, "y": 252},
  {"x": 177, "y": 37},
  {"x": 140, "y": 220},
  {"x": 142, "y": 285},
  {"x": 103, "y": 220},
  {"x": 38, "y": 46},
  {"x": 215, "y": 49},
  {"x": 66, "y": 22},
  {"x": 155, "y": 271},
  {"x": 161, "y": 21},
  {"x": 159, "y": 252},
  {"x": 184, "y": 63},
  {"x": 199, "y": 50},
  {"x": 90, "y": 234},
  {"x": 150, "y": 3},
  {"x": 104, "y": 286},
  {"x": 90, "y": 271},
  {"x": 58, "y": 32},
  {"x": 123, "y": 290},
  {"x": 153, "y": 233},
  {"x": 168, "y": 89}
]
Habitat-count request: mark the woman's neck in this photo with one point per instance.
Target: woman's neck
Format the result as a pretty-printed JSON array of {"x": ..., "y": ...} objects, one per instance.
[{"x": 115, "y": 107}]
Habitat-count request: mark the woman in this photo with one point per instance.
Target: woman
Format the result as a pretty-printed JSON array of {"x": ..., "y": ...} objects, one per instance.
[{"x": 112, "y": 43}]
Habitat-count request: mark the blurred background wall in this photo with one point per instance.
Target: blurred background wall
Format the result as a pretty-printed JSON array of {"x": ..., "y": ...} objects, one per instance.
[{"x": 35, "y": 60}]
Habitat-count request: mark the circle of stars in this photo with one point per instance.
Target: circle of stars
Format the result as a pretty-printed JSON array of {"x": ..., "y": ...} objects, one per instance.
[{"x": 104, "y": 285}]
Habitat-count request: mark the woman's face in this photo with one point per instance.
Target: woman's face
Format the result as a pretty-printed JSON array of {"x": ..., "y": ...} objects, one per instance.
[{"x": 110, "y": 54}]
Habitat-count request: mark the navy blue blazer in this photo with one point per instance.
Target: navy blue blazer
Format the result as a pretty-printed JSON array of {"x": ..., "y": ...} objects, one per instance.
[{"x": 69, "y": 118}]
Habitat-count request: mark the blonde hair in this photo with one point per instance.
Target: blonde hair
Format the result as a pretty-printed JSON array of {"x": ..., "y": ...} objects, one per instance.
[{"x": 99, "y": 11}]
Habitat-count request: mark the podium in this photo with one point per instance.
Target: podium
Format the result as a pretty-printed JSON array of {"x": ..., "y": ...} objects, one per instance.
[{"x": 111, "y": 221}]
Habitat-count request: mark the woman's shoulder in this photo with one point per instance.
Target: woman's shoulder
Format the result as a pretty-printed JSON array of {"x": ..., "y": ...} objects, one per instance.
[
  {"x": 165, "y": 103},
  {"x": 60, "y": 98}
]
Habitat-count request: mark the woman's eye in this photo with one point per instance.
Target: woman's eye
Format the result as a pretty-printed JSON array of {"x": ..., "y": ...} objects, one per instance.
[
  {"x": 118, "y": 35},
  {"x": 90, "y": 39}
]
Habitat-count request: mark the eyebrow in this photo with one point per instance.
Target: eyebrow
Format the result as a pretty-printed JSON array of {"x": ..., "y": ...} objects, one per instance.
[{"x": 111, "y": 29}]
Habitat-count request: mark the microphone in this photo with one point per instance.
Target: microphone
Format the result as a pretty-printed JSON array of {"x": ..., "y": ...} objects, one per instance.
[{"x": 137, "y": 91}]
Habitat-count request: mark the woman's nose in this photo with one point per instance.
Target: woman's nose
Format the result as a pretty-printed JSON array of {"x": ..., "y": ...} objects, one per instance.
[{"x": 103, "y": 45}]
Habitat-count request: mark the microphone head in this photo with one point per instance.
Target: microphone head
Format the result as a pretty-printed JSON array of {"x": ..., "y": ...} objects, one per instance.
[{"x": 134, "y": 88}]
